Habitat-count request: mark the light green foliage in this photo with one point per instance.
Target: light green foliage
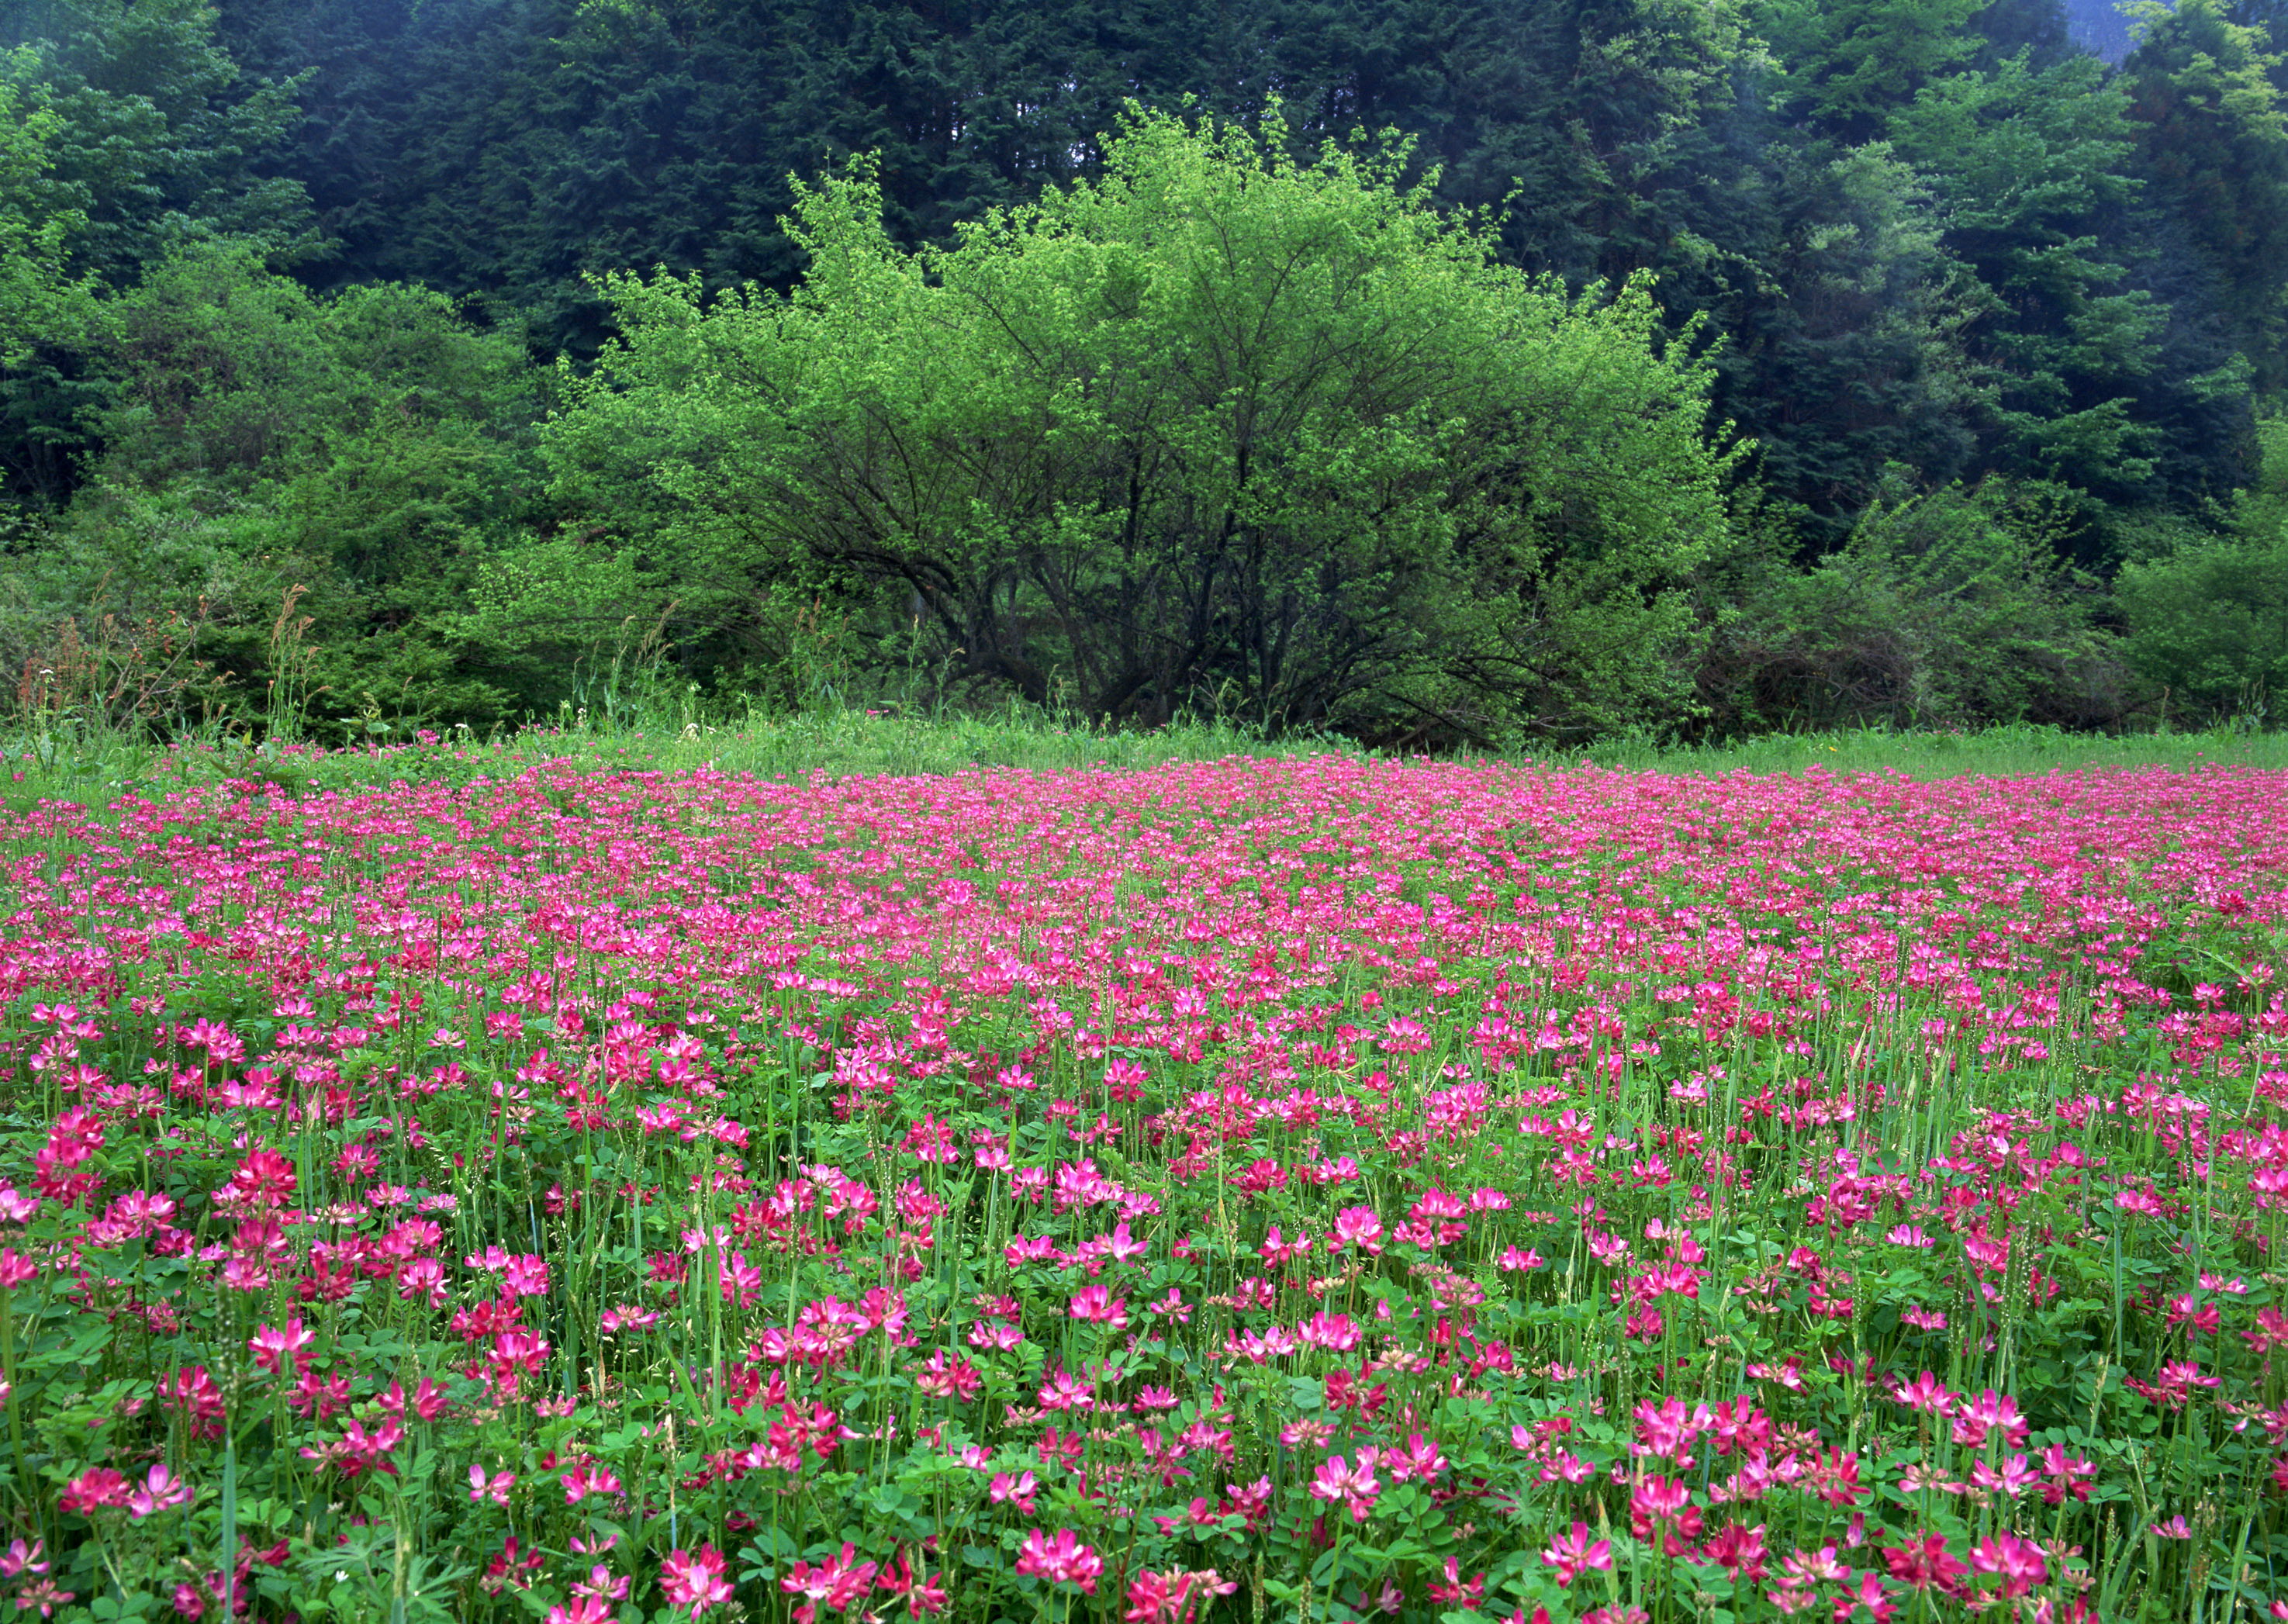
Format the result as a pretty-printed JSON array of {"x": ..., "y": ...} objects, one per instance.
[
  {"x": 2208, "y": 616},
  {"x": 1218, "y": 431},
  {"x": 159, "y": 136},
  {"x": 37, "y": 297}
]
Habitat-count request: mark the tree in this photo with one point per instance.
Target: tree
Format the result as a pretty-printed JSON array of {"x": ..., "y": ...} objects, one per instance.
[
  {"x": 37, "y": 297},
  {"x": 1219, "y": 428},
  {"x": 152, "y": 139},
  {"x": 2027, "y": 171},
  {"x": 2212, "y": 148},
  {"x": 366, "y": 448},
  {"x": 159, "y": 138},
  {"x": 2208, "y": 614}
]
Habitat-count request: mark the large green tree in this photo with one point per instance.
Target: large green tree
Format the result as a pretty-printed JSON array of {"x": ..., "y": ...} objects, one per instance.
[{"x": 1218, "y": 427}]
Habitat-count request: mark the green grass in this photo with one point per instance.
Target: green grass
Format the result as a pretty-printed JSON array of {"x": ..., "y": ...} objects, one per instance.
[
  {"x": 93, "y": 768},
  {"x": 2003, "y": 752}
]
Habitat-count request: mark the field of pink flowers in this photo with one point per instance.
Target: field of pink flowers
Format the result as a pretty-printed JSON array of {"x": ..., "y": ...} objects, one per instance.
[{"x": 1251, "y": 1191}]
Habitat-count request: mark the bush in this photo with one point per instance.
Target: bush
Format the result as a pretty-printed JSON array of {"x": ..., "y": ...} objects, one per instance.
[
  {"x": 367, "y": 449},
  {"x": 1945, "y": 609},
  {"x": 2208, "y": 614}
]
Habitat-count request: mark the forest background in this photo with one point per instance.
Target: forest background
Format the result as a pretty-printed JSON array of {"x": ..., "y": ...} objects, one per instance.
[{"x": 1431, "y": 372}]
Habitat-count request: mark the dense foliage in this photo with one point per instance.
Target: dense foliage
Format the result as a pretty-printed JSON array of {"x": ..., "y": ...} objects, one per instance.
[
  {"x": 1935, "y": 258},
  {"x": 1306, "y": 1192},
  {"x": 1215, "y": 425}
]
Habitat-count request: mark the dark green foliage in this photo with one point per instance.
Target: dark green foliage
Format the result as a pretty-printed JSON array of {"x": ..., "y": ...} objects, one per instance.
[
  {"x": 364, "y": 447},
  {"x": 1944, "y": 610},
  {"x": 1930, "y": 257},
  {"x": 2213, "y": 148}
]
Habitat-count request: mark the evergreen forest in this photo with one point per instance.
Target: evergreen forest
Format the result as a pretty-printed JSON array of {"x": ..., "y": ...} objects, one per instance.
[{"x": 1435, "y": 373}]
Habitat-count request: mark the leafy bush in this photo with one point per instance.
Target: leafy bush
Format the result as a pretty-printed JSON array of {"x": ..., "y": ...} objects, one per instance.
[
  {"x": 368, "y": 449},
  {"x": 1945, "y": 609},
  {"x": 2208, "y": 614}
]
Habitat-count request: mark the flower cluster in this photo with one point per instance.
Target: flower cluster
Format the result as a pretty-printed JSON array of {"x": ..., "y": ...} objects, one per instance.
[{"x": 1236, "y": 1191}]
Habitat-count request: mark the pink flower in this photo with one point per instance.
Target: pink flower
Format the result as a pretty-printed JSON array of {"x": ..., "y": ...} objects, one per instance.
[
  {"x": 1466, "y": 1593},
  {"x": 1973, "y": 1418},
  {"x": 587, "y": 1479},
  {"x": 1924, "y": 1394},
  {"x": 1017, "y": 1490},
  {"x": 1060, "y": 1559},
  {"x": 835, "y": 1583},
  {"x": 1337, "y": 1481},
  {"x": 1569, "y": 1556},
  {"x": 2018, "y": 1562},
  {"x": 271, "y": 1346},
  {"x": 263, "y": 1179},
  {"x": 96, "y": 1487},
  {"x": 1360, "y": 1227},
  {"x": 602, "y": 1586},
  {"x": 160, "y": 1490},
  {"x": 1096, "y": 1305},
  {"x": 695, "y": 1579},
  {"x": 1419, "y": 1459},
  {"x": 45, "y": 1595},
  {"x": 1174, "y": 1597}
]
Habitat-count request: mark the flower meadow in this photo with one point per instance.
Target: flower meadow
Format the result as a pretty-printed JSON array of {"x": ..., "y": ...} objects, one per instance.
[{"x": 1301, "y": 1191}]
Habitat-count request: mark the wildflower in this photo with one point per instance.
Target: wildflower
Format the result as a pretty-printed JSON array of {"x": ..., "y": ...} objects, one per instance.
[
  {"x": 92, "y": 1489},
  {"x": 269, "y": 1346},
  {"x": 1973, "y": 1418},
  {"x": 1095, "y": 1305},
  {"x": 263, "y": 1179},
  {"x": 1924, "y": 1394},
  {"x": 2014, "y": 1479},
  {"x": 1060, "y": 1559},
  {"x": 695, "y": 1579},
  {"x": 1360, "y": 1227},
  {"x": 1469, "y": 1593},
  {"x": 2068, "y": 1475},
  {"x": 1924, "y": 1563},
  {"x": 1174, "y": 1597},
  {"x": 1017, "y": 1490},
  {"x": 602, "y": 1586},
  {"x": 1419, "y": 1459},
  {"x": 46, "y": 1596},
  {"x": 1569, "y": 1556},
  {"x": 495, "y": 1488},
  {"x": 588, "y": 1478},
  {"x": 1338, "y": 1481},
  {"x": 159, "y": 1489},
  {"x": 924, "y": 1594},
  {"x": 2018, "y": 1562}
]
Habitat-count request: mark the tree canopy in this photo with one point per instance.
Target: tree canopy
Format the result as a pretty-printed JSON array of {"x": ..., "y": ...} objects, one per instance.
[{"x": 1215, "y": 425}]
